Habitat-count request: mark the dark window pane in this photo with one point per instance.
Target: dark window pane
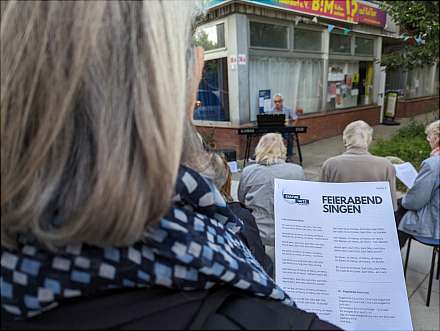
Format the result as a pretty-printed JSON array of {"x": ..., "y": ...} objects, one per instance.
[
  {"x": 268, "y": 35},
  {"x": 364, "y": 46},
  {"x": 339, "y": 43},
  {"x": 211, "y": 37},
  {"x": 307, "y": 40},
  {"x": 212, "y": 96}
]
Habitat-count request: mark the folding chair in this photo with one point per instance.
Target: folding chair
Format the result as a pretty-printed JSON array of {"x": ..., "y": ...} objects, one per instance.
[{"x": 435, "y": 244}]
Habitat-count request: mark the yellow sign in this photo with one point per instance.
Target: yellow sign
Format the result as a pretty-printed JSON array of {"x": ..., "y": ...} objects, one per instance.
[{"x": 356, "y": 77}]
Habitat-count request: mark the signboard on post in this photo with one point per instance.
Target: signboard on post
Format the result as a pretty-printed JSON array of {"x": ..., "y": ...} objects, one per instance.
[{"x": 390, "y": 107}]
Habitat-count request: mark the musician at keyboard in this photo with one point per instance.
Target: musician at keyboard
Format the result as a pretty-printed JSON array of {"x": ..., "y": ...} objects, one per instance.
[{"x": 292, "y": 118}]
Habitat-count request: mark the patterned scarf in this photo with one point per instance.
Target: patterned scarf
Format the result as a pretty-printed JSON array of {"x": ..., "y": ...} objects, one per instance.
[{"x": 195, "y": 246}]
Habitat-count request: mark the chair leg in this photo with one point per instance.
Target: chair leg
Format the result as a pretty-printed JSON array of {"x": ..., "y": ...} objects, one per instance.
[
  {"x": 407, "y": 256},
  {"x": 438, "y": 263},
  {"x": 431, "y": 275}
]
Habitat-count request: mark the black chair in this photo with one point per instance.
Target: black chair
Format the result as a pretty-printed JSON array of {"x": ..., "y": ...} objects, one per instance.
[{"x": 435, "y": 244}]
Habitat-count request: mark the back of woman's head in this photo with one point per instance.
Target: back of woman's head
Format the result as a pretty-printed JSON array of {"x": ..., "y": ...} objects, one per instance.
[
  {"x": 357, "y": 134},
  {"x": 93, "y": 100},
  {"x": 270, "y": 149}
]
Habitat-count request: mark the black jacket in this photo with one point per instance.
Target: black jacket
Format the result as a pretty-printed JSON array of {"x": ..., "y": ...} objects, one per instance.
[{"x": 222, "y": 308}]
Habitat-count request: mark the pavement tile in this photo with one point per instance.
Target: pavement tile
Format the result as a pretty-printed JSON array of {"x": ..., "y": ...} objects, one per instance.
[{"x": 425, "y": 318}]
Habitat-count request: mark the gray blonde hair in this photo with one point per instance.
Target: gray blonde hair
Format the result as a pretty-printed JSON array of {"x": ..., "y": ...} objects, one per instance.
[
  {"x": 93, "y": 100},
  {"x": 433, "y": 132},
  {"x": 270, "y": 149},
  {"x": 357, "y": 134}
]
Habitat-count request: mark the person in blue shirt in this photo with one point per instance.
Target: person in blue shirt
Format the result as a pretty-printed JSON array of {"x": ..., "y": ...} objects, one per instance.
[{"x": 291, "y": 116}]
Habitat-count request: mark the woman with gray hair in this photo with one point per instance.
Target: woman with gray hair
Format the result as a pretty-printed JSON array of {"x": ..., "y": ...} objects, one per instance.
[
  {"x": 357, "y": 164},
  {"x": 256, "y": 187},
  {"x": 105, "y": 221},
  {"x": 423, "y": 199}
]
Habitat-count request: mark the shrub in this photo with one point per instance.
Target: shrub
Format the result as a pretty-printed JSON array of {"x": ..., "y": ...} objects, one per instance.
[{"x": 408, "y": 144}]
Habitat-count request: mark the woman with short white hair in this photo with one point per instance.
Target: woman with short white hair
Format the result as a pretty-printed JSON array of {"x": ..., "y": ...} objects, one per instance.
[
  {"x": 256, "y": 186},
  {"x": 422, "y": 200},
  {"x": 357, "y": 164}
]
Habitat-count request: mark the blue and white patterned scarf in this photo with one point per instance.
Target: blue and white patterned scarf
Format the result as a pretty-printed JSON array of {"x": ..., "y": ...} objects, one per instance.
[{"x": 195, "y": 246}]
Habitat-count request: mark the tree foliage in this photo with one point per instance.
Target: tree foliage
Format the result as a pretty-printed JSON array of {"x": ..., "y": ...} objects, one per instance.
[
  {"x": 201, "y": 39},
  {"x": 417, "y": 19}
]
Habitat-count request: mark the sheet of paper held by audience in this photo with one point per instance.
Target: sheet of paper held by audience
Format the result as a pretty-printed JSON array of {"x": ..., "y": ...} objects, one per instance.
[
  {"x": 406, "y": 173},
  {"x": 337, "y": 253}
]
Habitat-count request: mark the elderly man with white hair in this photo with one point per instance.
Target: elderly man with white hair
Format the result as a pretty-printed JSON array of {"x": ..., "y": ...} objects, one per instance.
[
  {"x": 357, "y": 164},
  {"x": 423, "y": 199}
]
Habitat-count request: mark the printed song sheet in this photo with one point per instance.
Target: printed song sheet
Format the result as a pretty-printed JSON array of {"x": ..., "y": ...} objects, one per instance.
[
  {"x": 337, "y": 253},
  {"x": 406, "y": 173}
]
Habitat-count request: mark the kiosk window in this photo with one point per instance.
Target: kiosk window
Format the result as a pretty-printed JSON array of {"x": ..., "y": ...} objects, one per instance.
[
  {"x": 268, "y": 35},
  {"x": 212, "y": 97}
]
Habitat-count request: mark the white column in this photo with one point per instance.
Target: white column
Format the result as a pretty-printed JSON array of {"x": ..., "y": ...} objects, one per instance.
[
  {"x": 325, "y": 49},
  {"x": 377, "y": 68},
  {"x": 238, "y": 76}
]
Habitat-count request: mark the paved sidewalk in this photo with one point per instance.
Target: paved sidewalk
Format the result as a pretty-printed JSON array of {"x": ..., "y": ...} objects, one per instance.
[{"x": 314, "y": 154}]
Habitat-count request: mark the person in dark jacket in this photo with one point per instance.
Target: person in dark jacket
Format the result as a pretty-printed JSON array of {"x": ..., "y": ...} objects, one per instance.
[
  {"x": 102, "y": 203},
  {"x": 220, "y": 173}
]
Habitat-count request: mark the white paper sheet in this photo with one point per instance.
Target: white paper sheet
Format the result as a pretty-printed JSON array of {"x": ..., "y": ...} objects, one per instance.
[
  {"x": 233, "y": 166},
  {"x": 406, "y": 173},
  {"x": 267, "y": 104},
  {"x": 346, "y": 265}
]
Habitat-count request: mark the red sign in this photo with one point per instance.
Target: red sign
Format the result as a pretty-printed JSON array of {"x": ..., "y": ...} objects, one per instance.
[{"x": 352, "y": 11}]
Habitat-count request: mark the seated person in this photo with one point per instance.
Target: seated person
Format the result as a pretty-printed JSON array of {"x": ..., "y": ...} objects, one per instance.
[
  {"x": 292, "y": 119},
  {"x": 220, "y": 173},
  {"x": 422, "y": 200},
  {"x": 256, "y": 187},
  {"x": 357, "y": 164}
]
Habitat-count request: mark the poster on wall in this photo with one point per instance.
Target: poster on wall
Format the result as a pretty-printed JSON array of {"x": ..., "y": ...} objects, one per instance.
[
  {"x": 264, "y": 100},
  {"x": 334, "y": 77},
  {"x": 348, "y": 81},
  {"x": 233, "y": 62},
  {"x": 241, "y": 59},
  {"x": 332, "y": 90}
]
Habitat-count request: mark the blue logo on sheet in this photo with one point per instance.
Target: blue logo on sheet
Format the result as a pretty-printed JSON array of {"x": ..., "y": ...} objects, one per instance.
[{"x": 295, "y": 199}]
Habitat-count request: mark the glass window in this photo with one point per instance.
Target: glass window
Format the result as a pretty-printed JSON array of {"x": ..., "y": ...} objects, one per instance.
[
  {"x": 298, "y": 80},
  {"x": 350, "y": 84},
  {"x": 340, "y": 43},
  {"x": 307, "y": 40},
  {"x": 395, "y": 81},
  {"x": 211, "y": 37},
  {"x": 212, "y": 97},
  {"x": 268, "y": 35},
  {"x": 420, "y": 82},
  {"x": 364, "y": 46}
]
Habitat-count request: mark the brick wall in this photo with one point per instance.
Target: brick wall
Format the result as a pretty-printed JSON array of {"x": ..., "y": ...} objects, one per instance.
[
  {"x": 320, "y": 126},
  {"x": 416, "y": 106}
]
